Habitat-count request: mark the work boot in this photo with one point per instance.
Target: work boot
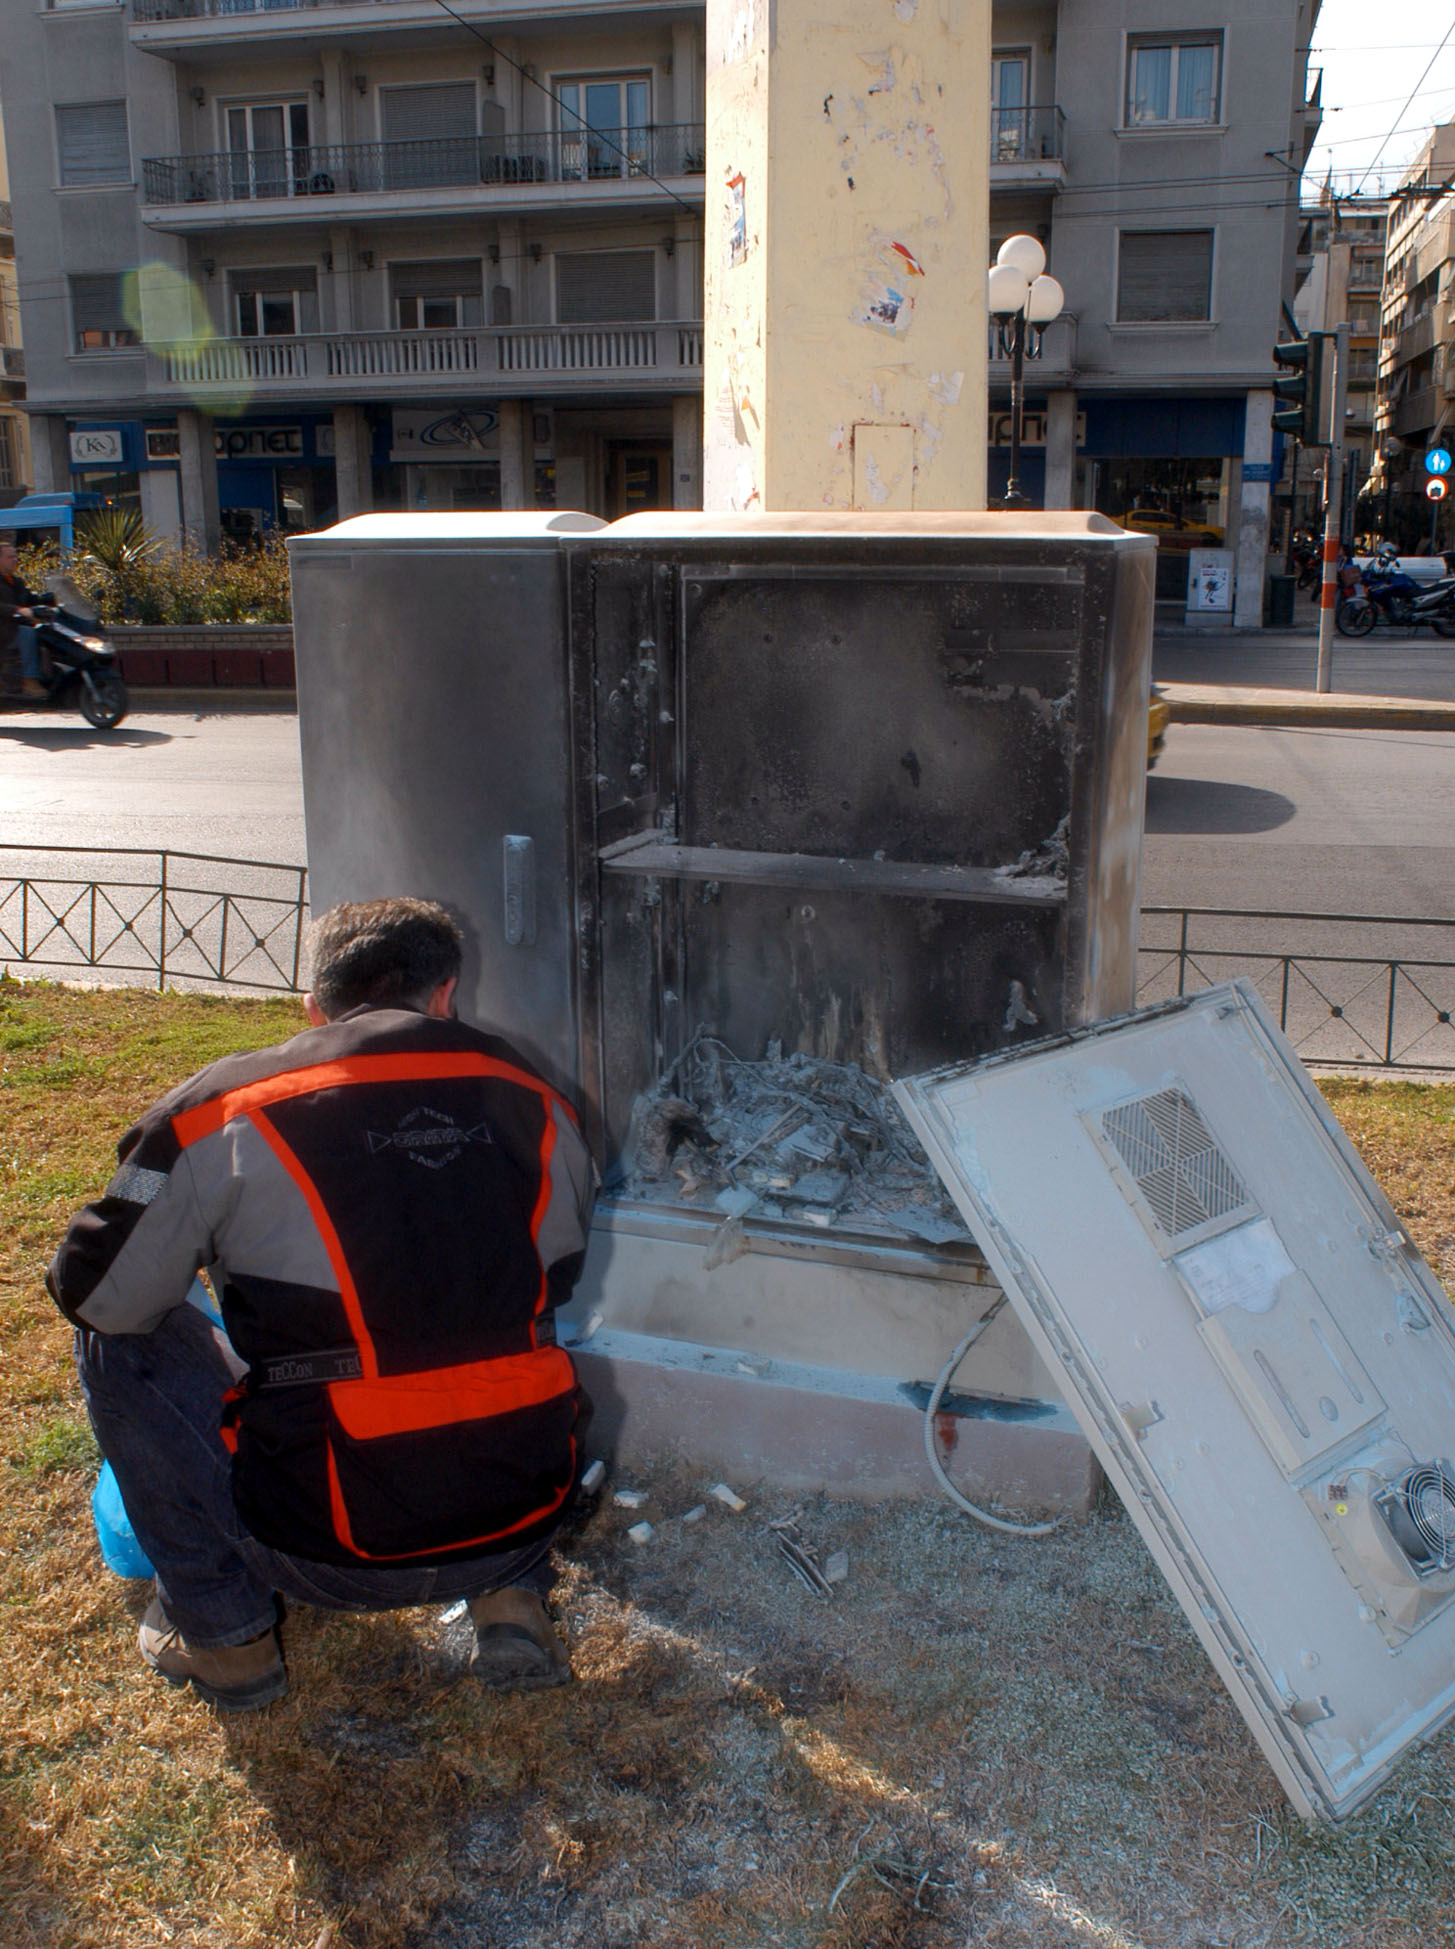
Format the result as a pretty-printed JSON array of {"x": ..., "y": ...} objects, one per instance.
[
  {"x": 232, "y": 1678},
  {"x": 33, "y": 688},
  {"x": 516, "y": 1647}
]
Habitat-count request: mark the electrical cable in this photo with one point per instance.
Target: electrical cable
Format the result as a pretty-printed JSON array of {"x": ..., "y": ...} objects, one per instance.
[
  {"x": 1405, "y": 110},
  {"x": 937, "y": 1394}
]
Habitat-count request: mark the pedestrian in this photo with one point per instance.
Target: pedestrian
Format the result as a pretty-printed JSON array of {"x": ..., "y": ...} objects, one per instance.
[
  {"x": 15, "y": 615},
  {"x": 389, "y": 1207}
]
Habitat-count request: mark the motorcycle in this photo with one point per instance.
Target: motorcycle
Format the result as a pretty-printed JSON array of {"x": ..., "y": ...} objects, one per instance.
[
  {"x": 1436, "y": 606},
  {"x": 1386, "y": 594},
  {"x": 78, "y": 666}
]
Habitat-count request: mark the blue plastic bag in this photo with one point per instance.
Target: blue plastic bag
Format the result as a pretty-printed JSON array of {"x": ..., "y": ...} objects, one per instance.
[{"x": 122, "y": 1553}]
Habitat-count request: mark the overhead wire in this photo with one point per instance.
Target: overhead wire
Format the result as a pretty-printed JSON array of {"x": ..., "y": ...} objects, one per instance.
[{"x": 1405, "y": 110}]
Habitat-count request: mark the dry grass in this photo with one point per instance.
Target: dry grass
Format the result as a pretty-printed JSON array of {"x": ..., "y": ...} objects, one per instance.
[{"x": 981, "y": 1740}]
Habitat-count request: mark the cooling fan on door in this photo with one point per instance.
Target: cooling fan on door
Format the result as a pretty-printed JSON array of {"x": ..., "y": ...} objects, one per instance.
[{"x": 1419, "y": 1512}]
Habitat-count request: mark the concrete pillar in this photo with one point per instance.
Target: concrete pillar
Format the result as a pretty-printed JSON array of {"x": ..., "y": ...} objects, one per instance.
[
  {"x": 201, "y": 522},
  {"x": 1061, "y": 449},
  {"x": 687, "y": 451},
  {"x": 845, "y": 306},
  {"x": 512, "y": 457},
  {"x": 1255, "y": 492},
  {"x": 353, "y": 469},
  {"x": 50, "y": 452}
]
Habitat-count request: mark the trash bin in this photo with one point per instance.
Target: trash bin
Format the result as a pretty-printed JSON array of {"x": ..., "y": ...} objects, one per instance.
[{"x": 1278, "y": 603}]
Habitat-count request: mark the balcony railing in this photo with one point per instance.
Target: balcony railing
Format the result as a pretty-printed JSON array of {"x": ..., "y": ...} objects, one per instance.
[
  {"x": 367, "y": 168},
  {"x": 1027, "y": 135},
  {"x": 12, "y": 361},
  {"x": 1416, "y": 412},
  {"x": 334, "y": 362}
]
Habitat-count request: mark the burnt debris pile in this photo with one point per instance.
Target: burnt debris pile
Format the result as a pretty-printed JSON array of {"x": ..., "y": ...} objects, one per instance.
[{"x": 789, "y": 1137}]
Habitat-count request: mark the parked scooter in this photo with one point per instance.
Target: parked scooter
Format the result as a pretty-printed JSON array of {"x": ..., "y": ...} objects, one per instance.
[
  {"x": 78, "y": 666},
  {"x": 1386, "y": 594},
  {"x": 1435, "y": 605}
]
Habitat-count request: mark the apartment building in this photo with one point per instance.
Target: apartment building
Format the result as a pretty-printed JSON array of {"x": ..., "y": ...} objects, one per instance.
[
  {"x": 282, "y": 263},
  {"x": 1416, "y": 400},
  {"x": 14, "y": 438},
  {"x": 1143, "y": 161},
  {"x": 311, "y": 258},
  {"x": 1340, "y": 270}
]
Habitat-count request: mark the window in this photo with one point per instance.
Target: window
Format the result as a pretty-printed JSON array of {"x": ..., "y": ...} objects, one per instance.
[
  {"x": 437, "y": 296},
  {"x": 1164, "y": 275},
  {"x": 279, "y": 302},
  {"x": 1010, "y": 97},
  {"x": 8, "y": 473},
  {"x": 430, "y": 132},
  {"x": 599, "y": 287},
  {"x": 267, "y": 146},
  {"x": 603, "y": 126},
  {"x": 98, "y": 313},
  {"x": 1173, "y": 81},
  {"x": 92, "y": 144}
]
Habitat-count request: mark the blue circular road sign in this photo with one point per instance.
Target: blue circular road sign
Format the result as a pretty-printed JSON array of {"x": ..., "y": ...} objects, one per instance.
[{"x": 1437, "y": 461}]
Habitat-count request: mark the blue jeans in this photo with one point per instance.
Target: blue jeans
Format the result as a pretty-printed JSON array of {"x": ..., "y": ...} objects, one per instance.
[
  {"x": 28, "y": 637},
  {"x": 155, "y": 1401}
]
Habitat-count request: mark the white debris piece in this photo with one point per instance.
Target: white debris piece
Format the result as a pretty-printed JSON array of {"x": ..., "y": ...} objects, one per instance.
[
  {"x": 837, "y": 1567},
  {"x": 695, "y": 1514},
  {"x": 587, "y": 1328},
  {"x": 629, "y": 1498},
  {"x": 455, "y": 1612},
  {"x": 730, "y": 1496},
  {"x": 755, "y": 1367},
  {"x": 641, "y": 1532},
  {"x": 595, "y": 1475}
]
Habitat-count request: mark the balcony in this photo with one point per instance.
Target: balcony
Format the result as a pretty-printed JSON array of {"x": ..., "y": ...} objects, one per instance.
[
  {"x": 1027, "y": 148},
  {"x": 1414, "y": 340},
  {"x": 200, "y": 32},
  {"x": 12, "y": 362},
  {"x": 282, "y": 186},
  {"x": 1416, "y": 412},
  {"x": 401, "y": 365}
]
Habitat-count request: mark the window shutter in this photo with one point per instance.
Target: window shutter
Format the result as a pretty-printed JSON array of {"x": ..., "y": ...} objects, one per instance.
[
  {"x": 1165, "y": 274},
  {"x": 598, "y": 287},
  {"x": 92, "y": 144},
  {"x": 276, "y": 278},
  {"x": 96, "y": 303},
  {"x": 450, "y": 277},
  {"x": 427, "y": 113}
]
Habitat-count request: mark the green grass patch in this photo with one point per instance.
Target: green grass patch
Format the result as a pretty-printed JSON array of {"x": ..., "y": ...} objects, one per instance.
[{"x": 64, "y": 1442}]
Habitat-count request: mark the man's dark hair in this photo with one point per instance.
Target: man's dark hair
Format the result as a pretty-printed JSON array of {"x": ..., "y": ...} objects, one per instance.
[{"x": 386, "y": 953}]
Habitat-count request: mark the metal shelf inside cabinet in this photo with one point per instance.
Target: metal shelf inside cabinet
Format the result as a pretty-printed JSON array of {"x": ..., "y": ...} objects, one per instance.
[{"x": 656, "y": 855}]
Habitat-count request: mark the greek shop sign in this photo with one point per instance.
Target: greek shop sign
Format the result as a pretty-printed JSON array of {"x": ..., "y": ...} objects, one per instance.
[{"x": 456, "y": 434}]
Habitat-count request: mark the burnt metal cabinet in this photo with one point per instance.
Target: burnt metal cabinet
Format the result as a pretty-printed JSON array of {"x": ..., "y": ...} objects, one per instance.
[
  {"x": 434, "y": 724},
  {"x": 867, "y": 787}
]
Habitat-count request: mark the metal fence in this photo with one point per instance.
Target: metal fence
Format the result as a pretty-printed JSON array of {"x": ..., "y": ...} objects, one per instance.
[
  {"x": 1343, "y": 999},
  {"x": 189, "y": 919},
  {"x": 194, "y": 919}
]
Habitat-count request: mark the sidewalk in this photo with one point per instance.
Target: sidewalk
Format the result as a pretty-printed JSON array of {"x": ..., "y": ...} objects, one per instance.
[{"x": 1385, "y": 681}]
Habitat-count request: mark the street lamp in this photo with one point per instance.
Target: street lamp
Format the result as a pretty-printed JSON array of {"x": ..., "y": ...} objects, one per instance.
[{"x": 1023, "y": 300}]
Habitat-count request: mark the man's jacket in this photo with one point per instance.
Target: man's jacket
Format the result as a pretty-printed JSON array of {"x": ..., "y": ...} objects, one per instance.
[{"x": 390, "y": 1208}]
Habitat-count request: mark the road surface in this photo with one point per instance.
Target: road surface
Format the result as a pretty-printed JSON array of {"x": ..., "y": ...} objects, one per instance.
[{"x": 1358, "y": 822}]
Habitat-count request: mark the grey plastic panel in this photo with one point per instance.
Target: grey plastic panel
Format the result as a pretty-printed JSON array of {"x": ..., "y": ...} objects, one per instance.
[{"x": 1252, "y": 1344}]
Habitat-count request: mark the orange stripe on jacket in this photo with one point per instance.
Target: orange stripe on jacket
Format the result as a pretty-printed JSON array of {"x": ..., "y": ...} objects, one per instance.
[
  {"x": 405, "y": 1404},
  {"x": 348, "y": 1292},
  {"x": 190, "y": 1126}
]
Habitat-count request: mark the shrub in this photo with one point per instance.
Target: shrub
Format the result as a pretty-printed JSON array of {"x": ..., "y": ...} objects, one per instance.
[{"x": 133, "y": 577}]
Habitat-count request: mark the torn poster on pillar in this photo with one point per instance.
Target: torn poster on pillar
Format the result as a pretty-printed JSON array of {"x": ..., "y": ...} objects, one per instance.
[
  {"x": 886, "y": 309},
  {"x": 737, "y": 215}
]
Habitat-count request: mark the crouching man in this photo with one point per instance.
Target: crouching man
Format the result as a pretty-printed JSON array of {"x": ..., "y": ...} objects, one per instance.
[{"x": 390, "y": 1207}]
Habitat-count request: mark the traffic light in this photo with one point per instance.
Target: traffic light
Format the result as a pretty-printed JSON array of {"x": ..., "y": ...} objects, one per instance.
[{"x": 1302, "y": 386}]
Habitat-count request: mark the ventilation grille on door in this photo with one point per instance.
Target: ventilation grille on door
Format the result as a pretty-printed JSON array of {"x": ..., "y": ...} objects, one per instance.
[
  {"x": 1176, "y": 1162},
  {"x": 1420, "y": 1512}
]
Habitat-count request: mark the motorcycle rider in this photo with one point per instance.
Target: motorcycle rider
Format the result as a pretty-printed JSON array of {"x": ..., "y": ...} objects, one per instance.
[{"x": 15, "y": 609}]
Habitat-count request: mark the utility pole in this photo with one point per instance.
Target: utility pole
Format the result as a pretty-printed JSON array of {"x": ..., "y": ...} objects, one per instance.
[{"x": 1333, "y": 510}]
